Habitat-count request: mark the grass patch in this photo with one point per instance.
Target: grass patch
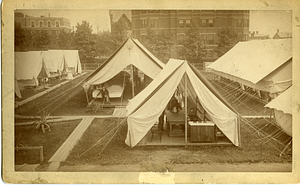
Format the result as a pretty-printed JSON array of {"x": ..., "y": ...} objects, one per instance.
[
  {"x": 51, "y": 141},
  {"x": 118, "y": 153}
]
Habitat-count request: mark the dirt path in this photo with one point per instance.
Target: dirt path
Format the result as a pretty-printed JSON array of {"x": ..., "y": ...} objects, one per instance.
[{"x": 215, "y": 167}]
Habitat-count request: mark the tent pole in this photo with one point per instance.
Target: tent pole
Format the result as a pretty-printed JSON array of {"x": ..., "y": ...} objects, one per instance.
[
  {"x": 132, "y": 81},
  {"x": 87, "y": 97},
  {"x": 239, "y": 130},
  {"x": 185, "y": 107}
]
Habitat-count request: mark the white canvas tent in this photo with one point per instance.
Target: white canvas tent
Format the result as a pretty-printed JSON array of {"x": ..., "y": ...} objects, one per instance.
[
  {"x": 70, "y": 58},
  {"x": 29, "y": 66},
  {"x": 145, "y": 108},
  {"x": 282, "y": 107},
  {"x": 264, "y": 65},
  {"x": 130, "y": 53},
  {"x": 54, "y": 60}
]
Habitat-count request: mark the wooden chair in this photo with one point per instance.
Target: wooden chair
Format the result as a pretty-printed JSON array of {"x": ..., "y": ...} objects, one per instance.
[{"x": 155, "y": 130}]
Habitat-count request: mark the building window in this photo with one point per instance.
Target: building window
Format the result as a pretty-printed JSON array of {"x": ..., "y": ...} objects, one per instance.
[
  {"x": 180, "y": 38},
  {"x": 204, "y": 38},
  {"x": 41, "y": 24},
  {"x": 32, "y": 23},
  {"x": 188, "y": 23},
  {"x": 210, "y": 22},
  {"x": 142, "y": 23},
  {"x": 239, "y": 23},
  {"x": 57, "y": 24},
  {"x": 246, "y": 23},
  {"x": 203, "y": 22},
  {"x": 210, "y": 39},
  {"x": 180, "y": 23},
  {"x": 57, "y": 33},
  {"x": 49, "y": 24}
]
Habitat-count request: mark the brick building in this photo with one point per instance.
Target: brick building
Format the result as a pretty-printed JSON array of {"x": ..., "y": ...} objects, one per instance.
[
  {"x": 177, "y": 22},
  {"x": 34, "y": 25}
]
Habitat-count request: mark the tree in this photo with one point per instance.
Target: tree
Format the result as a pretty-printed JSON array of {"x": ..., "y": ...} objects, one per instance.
[
  {"x": 159, "y": 44},
  {"x": 106, "y": 44},
  {"x": 42, "y": 40},
  {"x": 227, "y": 38},
  {"x": 119, "y": 31},
  {"x": 20, "y": 38},
  {"x": 193, "y": 49},
  {"x": 66, "y": 40},
  {"x": 85, "y": 41}
]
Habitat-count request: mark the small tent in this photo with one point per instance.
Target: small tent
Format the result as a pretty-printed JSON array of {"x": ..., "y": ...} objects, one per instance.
[
  {"x": 264, "y": 65},
  {"x": 282, "y": 108},
  {"x": 29, "y": 66},
  {"x": 69, "y": 58},
  {"x": 54, "y": 60},
  {"x": 144, "y": 109},
  {"x": 130, "y": 53}
]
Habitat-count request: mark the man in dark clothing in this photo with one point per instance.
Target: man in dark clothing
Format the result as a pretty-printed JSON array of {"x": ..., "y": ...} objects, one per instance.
[{"x": 105, "y": 94}]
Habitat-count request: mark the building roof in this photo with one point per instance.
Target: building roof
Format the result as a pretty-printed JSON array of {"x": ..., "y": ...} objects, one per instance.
[{"x": 254, "y": 60}]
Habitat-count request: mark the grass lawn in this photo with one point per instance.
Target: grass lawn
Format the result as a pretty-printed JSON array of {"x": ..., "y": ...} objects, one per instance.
[
  {"x": 51, "y": 141},
  {"x": 118, "y": 153}
]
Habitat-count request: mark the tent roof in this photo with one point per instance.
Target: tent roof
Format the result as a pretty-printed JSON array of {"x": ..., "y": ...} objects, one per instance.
[
  {"x": 254, "y": 60},
  {"x": 283, "y": 102},
  {"x": 145, "y": 108},
  {"x": 131, "y": 52},
  {"x": 28, "y": 65}
]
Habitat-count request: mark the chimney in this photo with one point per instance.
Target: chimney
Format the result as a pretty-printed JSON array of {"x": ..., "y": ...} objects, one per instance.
[
  {"x": 277, "y": 30},
  {"x": 256, "y": 32}
]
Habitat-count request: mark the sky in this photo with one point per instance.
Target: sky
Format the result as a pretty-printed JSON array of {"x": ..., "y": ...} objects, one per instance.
[{"x": 263, "y": 21}]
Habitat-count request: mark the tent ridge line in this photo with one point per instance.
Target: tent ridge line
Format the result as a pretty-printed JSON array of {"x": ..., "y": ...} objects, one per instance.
[
  {"x": 106, "y": 61},
  {"x": 156, "y": 89},
  {"x": 147, "y": 54}
]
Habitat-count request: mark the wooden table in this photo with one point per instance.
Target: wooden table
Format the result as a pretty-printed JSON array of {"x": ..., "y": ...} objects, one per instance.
[
  {"x": 202, "y": 132},
  {"x": 175, "y": 123}
]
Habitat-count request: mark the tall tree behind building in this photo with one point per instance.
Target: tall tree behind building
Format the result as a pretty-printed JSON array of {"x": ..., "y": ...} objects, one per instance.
[
  {"x": 226, "y": 39},
  {"x": 20, "y": 38},
  {"x": 85, "y": 41},
  {"x": 193, "y": 49},
  {"x": 159, "y": 44}
]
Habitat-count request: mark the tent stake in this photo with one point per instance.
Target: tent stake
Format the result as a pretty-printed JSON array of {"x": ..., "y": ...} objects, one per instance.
[{"x": 185, "y": 107}]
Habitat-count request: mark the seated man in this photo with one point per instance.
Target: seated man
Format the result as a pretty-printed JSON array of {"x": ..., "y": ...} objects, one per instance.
[
  {"x": 174, "y": 105},
  {"x": 105, "y": 94}
]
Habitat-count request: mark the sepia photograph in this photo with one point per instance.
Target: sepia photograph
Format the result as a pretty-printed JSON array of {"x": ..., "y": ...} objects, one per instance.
[{"x": 150, "y": 90}]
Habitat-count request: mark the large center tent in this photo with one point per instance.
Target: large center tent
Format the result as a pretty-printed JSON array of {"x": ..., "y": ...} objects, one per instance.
[
  {"x": 130, "y": 54},
  {"x": 264, "y": 65},
  {"x": 144, "y": 110}
]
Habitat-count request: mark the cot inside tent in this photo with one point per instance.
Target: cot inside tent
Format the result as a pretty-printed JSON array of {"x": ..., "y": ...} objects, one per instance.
[
  {"x": 282, "y": 107},
  {"x": 144, "y": 109},
  {"x": 270, "y": 60},
  {"x": 130, "y": 54}
]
